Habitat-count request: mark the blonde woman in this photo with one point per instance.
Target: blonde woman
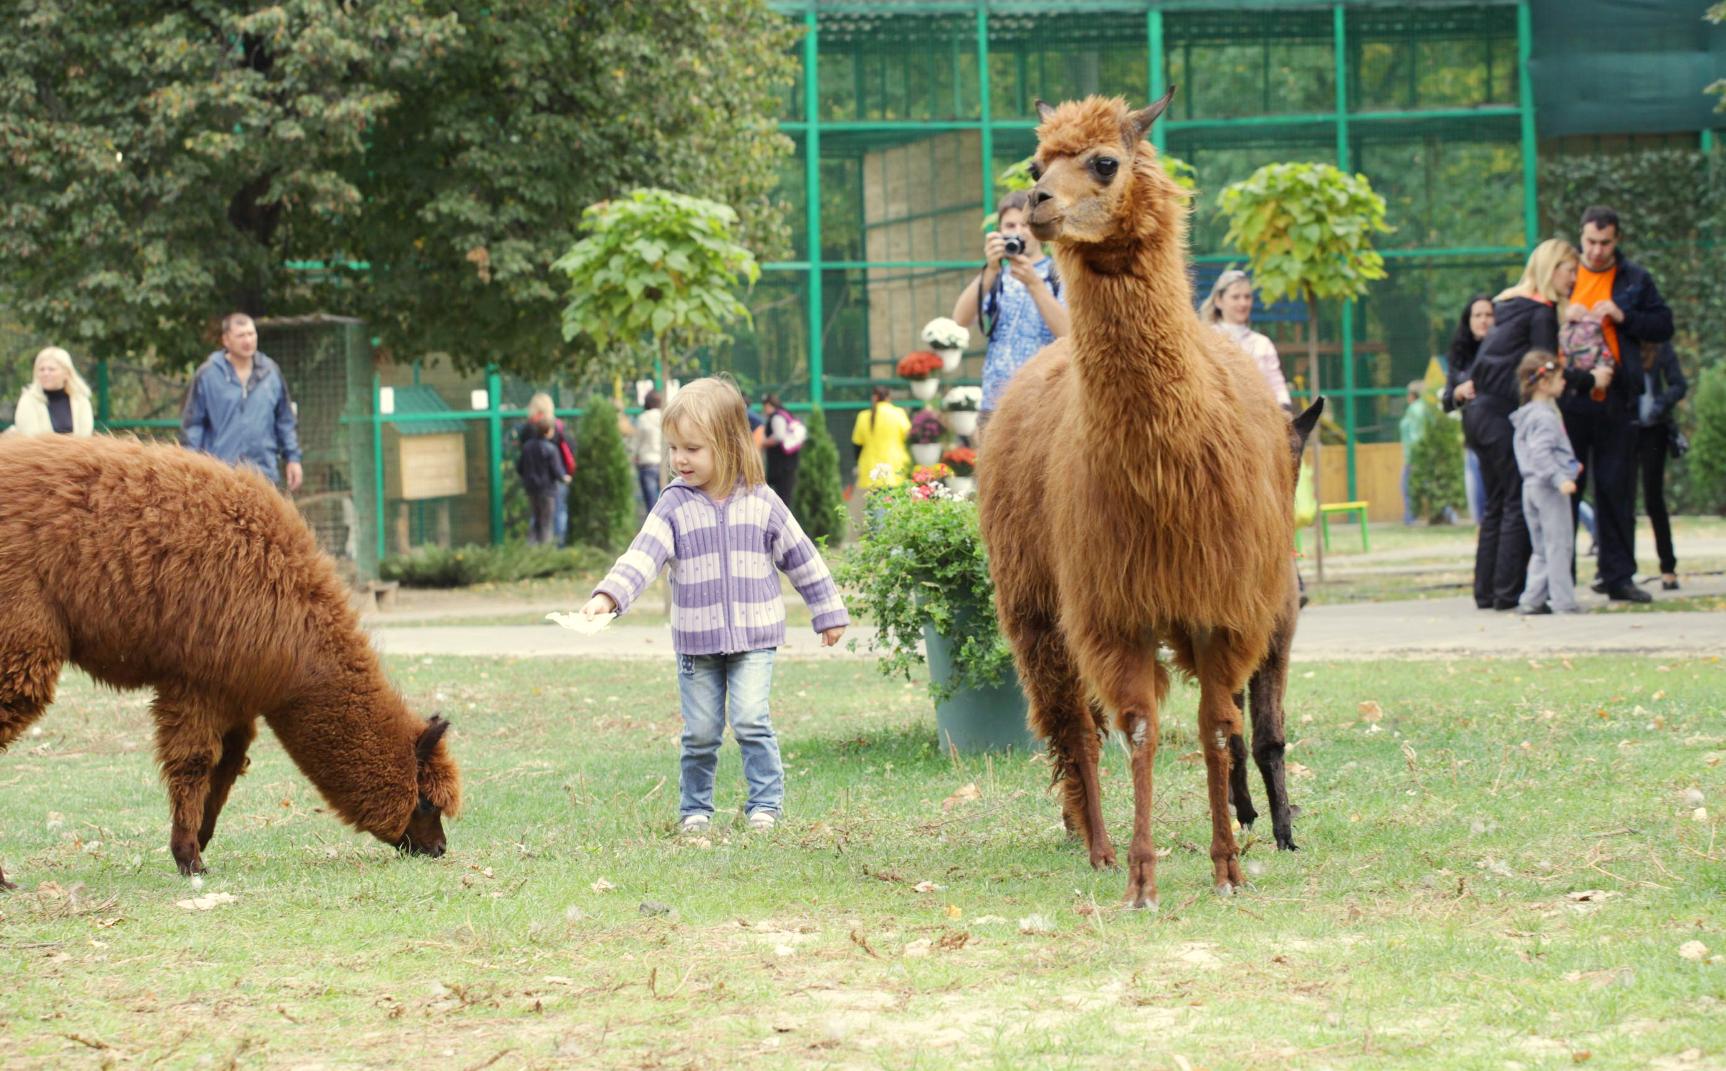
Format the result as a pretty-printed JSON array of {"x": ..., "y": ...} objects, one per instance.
[
  {"x": 1524, "y": 317},
  {"x": 57, "y": 401},
  {"x": 541, "y": 413},
  {"x": 1229, "y": 309}
]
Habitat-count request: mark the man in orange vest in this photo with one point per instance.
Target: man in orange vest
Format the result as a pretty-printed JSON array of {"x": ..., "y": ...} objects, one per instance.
[{"x": 1621, "y": 295}]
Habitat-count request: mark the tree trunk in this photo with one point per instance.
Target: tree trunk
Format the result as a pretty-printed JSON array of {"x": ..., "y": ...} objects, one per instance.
[{"x": 1317, "y": 434}]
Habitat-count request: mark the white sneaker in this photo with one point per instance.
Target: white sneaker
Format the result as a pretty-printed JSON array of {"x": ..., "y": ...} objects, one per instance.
[
  {"x": 694, "y": 824},
  {"x": 762, "y": 821}
]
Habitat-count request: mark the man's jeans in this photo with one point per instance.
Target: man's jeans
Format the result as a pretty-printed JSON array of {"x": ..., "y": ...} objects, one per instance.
[{"x": 704, "y": 682}]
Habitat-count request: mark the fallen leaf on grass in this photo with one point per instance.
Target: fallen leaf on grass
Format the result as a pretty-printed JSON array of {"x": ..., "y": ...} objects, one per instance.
[
  {"x": 927, "y": 886},
  {"x": 918, "y": 948},
  {"x": 1695, "y": 950},
  {"x": 206, "y": 901},
  {"x": 602, "y": 886},
  {"x": 1370, "y": 711},
  {"x": 1591, "y": 895},
  {"x": 965, "y": 794},
  {"x": 1036, "y": 924}
]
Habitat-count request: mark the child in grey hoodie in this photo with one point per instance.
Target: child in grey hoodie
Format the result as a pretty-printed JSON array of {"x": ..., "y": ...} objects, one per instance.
[{"x": 1549, "y": 470}]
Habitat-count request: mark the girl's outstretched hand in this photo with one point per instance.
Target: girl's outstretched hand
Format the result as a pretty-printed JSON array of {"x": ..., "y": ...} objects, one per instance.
[
  {"x": 831, "y": 636},
  {"x": 599, "y": 604}
]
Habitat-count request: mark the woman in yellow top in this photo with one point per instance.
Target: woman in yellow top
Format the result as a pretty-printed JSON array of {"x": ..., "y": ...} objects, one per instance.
[{"x": 880, "y": 438}]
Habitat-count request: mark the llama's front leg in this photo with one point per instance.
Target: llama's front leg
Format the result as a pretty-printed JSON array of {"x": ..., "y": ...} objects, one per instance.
[
  {"x": 1141, "y": 730},
  {"x": 1218, "y": 720},
  {"x": 187, "y": 745},
  {"x": 32, "y": 648},
  {"x": 232, "y": 763},
  {"x": 1245, "y": 813},
  {"x": 1125, "y": 674}
]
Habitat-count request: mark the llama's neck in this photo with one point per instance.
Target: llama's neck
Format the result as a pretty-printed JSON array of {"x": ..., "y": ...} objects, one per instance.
[
  {"x": 351, "y": 736},
  {"x": 1134, "y": 332}
]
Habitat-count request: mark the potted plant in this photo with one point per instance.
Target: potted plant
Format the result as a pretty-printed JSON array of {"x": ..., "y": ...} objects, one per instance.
[
  {"x": 922, "y": 369},
  {"x": 925, "y": 437},
  {"x": 961, "y": 405},
  {"x": 947, "y": 338},
  {"x": 963, "y": 461},
  {"x": 919, "y": 572}
]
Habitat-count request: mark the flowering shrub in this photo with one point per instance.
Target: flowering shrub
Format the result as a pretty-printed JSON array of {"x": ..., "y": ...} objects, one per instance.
[
  {"x": 961, "y": 459},
  {"x": 963, "y": 400},
  {"x": 925, "y": 428},
  {"x": 944, "y": 334},
  {"x": 918, "y": 364},
  {"x": 920, "y": 560}
]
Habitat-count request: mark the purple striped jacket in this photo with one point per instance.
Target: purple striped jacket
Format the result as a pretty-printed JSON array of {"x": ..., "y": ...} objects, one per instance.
[{"x": 725, "y": 562}]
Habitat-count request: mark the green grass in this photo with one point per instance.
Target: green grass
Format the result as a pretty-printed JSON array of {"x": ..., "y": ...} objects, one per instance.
[{"x": 1428, "y": 923}]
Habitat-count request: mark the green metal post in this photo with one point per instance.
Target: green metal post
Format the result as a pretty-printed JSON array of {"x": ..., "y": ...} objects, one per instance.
[
  {"x": 1159, "y": 79},
  {"x": 812, "y": 201},
  {"x": 378, "y": 463},
  {"x": 102, "y": 404},
  {"x": 1525, "y": 102},
  {"x": 1707, "y": 142},
  {"x": 1339, "y": 38},
  {"x": 494, "y": 428},
  {"x": 988, "y": 131}
]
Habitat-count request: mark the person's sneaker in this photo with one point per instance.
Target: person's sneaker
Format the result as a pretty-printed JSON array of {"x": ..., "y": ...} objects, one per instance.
[
  {"x": 1669, "y": 583},
  {"x": 1629, "y": 593},
  {"x": 762, "y": 821},
  {"x": 1543, "y": 608},
  {"x": 695, "y": 824}
]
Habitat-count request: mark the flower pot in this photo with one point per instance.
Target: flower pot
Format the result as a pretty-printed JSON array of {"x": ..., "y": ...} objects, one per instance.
[
  {"x": 962, "y": 485},
  {"x": 976, "y": 719},
  {"x": 926, "y": 453},
  {"x": 924, "y": 389},
  {"x": 962, "y": 422},
  {"x": 950, "y": 359}
]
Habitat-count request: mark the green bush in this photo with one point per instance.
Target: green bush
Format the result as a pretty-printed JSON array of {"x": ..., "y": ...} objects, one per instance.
[
  {"x": 602, "y": 495},
  {"x": 1705, "y": 464},
  {"x": 1435, "y": 481},
  {"x": 819, "y": 499},
  {"x": 456, "y": 567}
]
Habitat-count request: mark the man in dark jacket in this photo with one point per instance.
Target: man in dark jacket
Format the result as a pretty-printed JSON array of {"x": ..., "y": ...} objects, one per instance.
[
  {"x": 1622, "y": 296},
  {"x": 238, "y": 407}
]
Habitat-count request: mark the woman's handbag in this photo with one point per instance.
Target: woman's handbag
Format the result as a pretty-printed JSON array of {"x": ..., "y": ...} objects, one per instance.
[{"x": 1676, "y": 444}]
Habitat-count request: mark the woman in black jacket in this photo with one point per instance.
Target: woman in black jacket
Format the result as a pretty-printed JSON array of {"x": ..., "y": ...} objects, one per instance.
[
  {"x": 1525, "y": 317},
  {"x": 1471, "y": 328},
  {"x": 1663, "y": 386}
]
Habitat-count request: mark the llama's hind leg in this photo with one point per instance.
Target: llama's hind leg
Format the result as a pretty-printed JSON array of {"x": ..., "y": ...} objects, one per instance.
[
  {"x": 231, "y": 765},
  {"x": 1269, "y": 686},
  {"x": 1245, "y": 813},
  {"x": 32, "y": 649},
  {"x": 1060, "y": 715},
  {"x": 188, "y": 744},
  {"x": 1219, "y": 674}
]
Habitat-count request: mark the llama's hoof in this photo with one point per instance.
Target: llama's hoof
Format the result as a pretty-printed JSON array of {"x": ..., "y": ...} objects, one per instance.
[
  {"x": 1103, "y": 860},
  {"x": 1141, "y": 904},
  {"x": 1141, "y": 885},
  {"x": 1285, "y": 843},
  {"x": 1225, "y": 889},
  {"x": 5, "y": 885}
]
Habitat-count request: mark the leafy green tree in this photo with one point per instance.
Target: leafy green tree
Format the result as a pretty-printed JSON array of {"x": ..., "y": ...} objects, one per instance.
[
  {"x": 655, "y": 264},
  {"x": 1705, "y": 464},
  {"x": 1435, "y": 482},
  {"x": 1307, "y": 231},
  {"x": 818, "y": 502},
  {"x": 167, "y": 160},
  {"x": 602, "y": 492}
]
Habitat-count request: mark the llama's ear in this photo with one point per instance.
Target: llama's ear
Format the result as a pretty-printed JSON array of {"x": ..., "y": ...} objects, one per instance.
[
  {"x": 1044, "y": 109},
  {"x": 1139, "y": 122},
  {"x": 428, "y": 741},
  {"x": 1308, "y": 420}
]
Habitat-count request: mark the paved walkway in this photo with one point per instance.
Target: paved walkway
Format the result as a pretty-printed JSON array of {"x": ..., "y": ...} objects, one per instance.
[{"x": 1428, "y": 628}]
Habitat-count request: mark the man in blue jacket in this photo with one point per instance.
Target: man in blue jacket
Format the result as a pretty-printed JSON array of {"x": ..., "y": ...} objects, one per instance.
[
  {"x": 1621, "y": 295},
  {"x": 238, "y": 408}
]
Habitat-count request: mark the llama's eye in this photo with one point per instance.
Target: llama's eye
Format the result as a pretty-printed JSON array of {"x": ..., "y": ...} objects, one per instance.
[
  {"x": 1036, "y": 171},
  {"x": 1105, "y": 166}
]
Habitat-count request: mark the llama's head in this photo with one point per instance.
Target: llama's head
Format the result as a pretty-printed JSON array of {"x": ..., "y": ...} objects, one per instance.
[
  {"x": 439, "y": 792},
  {"x": 1098, "y": 180}
]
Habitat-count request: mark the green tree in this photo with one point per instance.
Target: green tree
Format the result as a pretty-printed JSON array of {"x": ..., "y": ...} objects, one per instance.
[
  {"x": 1307, "y": 230},
  {"x": 167, "y": 160},
  {"x": 1705, "y": 464},
  {"x": 1435, "y": 482},
  {"x": 655, "y": 264},
  {"x": 819, "y": 498},
  {"x": 602, "y": 492}
]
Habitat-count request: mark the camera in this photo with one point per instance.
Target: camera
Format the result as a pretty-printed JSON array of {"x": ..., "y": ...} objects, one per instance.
[{"x": 1014, "y": 245}]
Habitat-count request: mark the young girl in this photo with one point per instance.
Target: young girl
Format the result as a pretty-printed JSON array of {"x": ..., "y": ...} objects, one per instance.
[
  {"x": 725, "y": 533},
  {"x": 1549, "y": 469}
]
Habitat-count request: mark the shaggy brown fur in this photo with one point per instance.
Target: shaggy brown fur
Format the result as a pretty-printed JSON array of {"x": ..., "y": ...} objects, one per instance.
[
  {"x": 152, "y": 566},
  {"x": 1135, "y": 487}
]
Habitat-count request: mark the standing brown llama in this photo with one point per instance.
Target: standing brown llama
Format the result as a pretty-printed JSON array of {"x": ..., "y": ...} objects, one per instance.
[
  {"x": 1136, "y": 489},
  {"x": 152, "y": 566}
]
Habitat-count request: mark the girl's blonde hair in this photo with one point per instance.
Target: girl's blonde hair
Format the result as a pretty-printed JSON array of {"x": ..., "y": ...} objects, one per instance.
[
  {"x": 1211, "y": 311},
  {"x": 712, "y": 410},
  {"x": 75, "y": 384},
  {"x": 1539, "y": 275}
]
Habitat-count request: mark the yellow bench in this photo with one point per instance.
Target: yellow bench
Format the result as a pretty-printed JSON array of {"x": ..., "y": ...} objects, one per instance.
[{"x": 1356, "y": 508}]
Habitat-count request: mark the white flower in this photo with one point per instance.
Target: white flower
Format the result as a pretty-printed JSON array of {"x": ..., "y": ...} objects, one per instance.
[
  {"x": 881, "y": 473},
  {"x": 944, "y": 334},
  {"x": 963, "y": 399}
]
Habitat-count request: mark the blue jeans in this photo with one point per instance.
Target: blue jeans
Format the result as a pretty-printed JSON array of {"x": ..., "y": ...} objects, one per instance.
[
  {"x": 648, "y": 477},
  {"x": 1473, "y": 485},
  {"x": 1407, "y": 504},
  {"x": 560, "y": 518},
  {"x": 704, "y": 682}
]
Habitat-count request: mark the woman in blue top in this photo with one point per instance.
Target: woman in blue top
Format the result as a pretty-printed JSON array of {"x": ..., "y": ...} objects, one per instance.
[{"x": 1022, "y": 306}]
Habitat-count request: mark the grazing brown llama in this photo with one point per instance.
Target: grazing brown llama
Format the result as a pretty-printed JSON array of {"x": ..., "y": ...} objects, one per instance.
[
  {"x": 1136, "y": 489},
  {"x": 152, "y": 566}
]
